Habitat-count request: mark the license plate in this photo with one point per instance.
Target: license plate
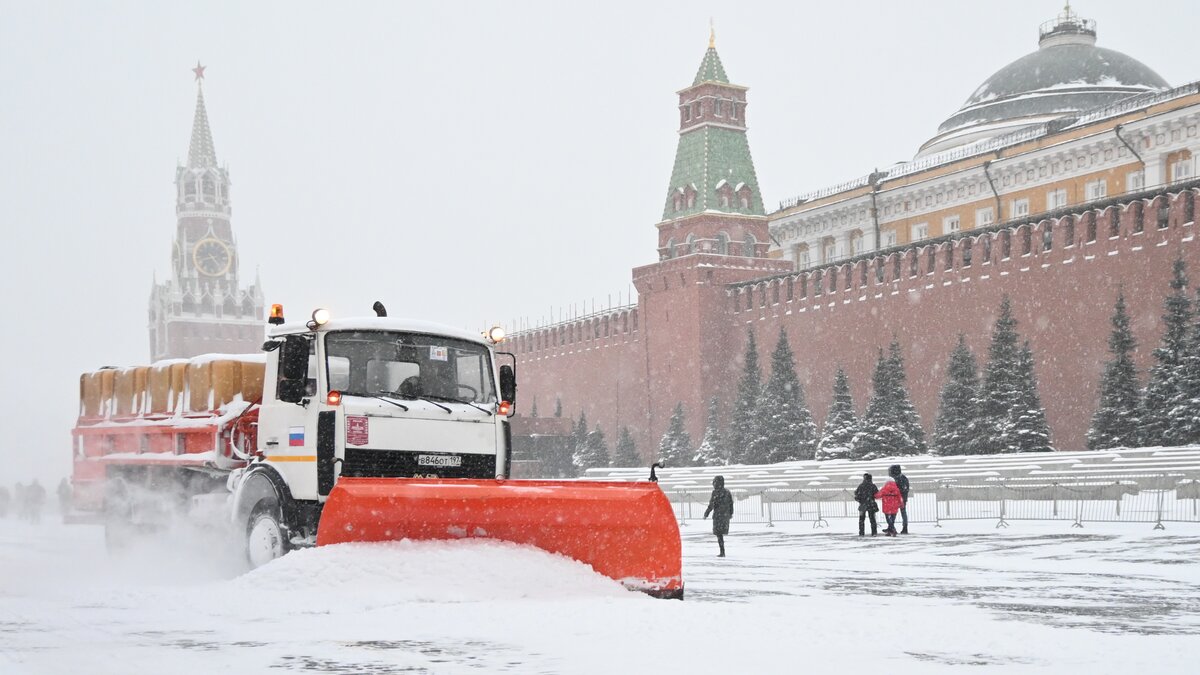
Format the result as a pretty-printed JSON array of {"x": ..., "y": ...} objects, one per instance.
[{"x": 439, "y": 460}]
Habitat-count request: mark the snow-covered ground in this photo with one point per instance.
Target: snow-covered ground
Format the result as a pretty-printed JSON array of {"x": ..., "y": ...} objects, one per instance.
[{"x": 1041, "y": 597}]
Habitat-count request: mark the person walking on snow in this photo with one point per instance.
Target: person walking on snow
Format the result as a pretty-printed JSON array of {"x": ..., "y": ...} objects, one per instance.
[
  {"x": 902, "y": 483},
  {"x": 720, "y": 505},
  {"x": 36, "y": 496},
  {"x": 64, "y": 496},
  {"x": 864, "y": 494},
  {"x": 893, "y": 501}
]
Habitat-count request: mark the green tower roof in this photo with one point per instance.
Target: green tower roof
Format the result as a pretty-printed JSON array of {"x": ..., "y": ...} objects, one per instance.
[
  {"x": 707, "y": 159},
  {"x": 711, "y": 69}
]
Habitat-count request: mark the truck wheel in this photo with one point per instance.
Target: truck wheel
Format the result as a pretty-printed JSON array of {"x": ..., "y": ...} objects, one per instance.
[{"x": 266, "y": 537}]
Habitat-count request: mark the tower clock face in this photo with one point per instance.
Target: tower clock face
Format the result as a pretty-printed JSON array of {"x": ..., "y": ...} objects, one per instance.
[{"x": 212, "y": 257}]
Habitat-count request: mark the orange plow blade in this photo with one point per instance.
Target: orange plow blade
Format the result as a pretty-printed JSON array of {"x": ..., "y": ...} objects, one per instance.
[{"x": 626, "y": 531}]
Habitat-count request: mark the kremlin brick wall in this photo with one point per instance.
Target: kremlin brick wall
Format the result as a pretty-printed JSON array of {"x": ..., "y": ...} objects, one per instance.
[{"x": 685, "y": 340}]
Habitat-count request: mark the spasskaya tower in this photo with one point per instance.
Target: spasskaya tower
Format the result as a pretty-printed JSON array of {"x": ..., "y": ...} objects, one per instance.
[{"x": 203, "y": 307}]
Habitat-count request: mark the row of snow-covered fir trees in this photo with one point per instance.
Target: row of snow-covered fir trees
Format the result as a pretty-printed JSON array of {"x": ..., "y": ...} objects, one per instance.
[{"x": 997, "y": 410}]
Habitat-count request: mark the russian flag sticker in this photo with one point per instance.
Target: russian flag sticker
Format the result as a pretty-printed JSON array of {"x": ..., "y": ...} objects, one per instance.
[{"x": 296, "y": 436}]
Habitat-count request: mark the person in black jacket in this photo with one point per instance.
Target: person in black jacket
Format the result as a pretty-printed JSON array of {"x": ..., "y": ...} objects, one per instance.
[
  {"x": 864, "y": 494},
  {"x": 902, "y": 483},
  {"x": 720, "y": 505}
]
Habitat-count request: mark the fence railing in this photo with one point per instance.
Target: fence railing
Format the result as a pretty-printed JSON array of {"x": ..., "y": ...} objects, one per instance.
[{"x": 1156, "y": 500}]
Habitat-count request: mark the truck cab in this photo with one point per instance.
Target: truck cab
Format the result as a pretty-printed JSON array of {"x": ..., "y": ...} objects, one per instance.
[{"x": 373, "y": 397}]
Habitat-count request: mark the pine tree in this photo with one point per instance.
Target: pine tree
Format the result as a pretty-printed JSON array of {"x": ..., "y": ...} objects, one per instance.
[
  {"x": 676, "y": 447},
  {"x": 956, "y": 411},
  {"x": 1116, "y": 422},
  {"x": 998, "y": 392},
  {"x": 579, "y": 440},
  {"x": 1164, "y": 390},
  {"x": 712, "y": 451},
  {"x": 1030, "y": 433},
  {"x": 533, "y": 410},
  {"x": 558, "y": 406},
  {"x": 1185, "y": 411},
  {"x": 595, "y": 451},
  {"x": 890, "y": 426},
  {"x": 841, "y": 424},
  {"x": 626, "y": 453},
  {"x": 745, "y": 408},
  {"x": 785, "y": 430},
  {"x": 870, "y": 440},
  {"x": 907, "y": 421}
]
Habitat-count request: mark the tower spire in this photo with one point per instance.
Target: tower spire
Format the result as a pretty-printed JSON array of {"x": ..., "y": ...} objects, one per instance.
[
  {"x": 712, "y": 34},
  {"x": 201, "y": 152}
]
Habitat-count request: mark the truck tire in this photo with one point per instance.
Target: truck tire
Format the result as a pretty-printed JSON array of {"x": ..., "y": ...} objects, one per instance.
[{"x": 266, "y": 536}]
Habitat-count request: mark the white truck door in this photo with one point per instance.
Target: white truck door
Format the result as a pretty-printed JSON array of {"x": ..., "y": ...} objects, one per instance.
[{"x": 287, "y": 430}]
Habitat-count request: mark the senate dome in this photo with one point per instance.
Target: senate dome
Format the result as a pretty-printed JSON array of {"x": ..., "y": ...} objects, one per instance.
[{"x": 1066, "y": 75}]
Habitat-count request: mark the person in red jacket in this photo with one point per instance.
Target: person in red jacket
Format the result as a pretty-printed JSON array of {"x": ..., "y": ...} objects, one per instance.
[{"x": 892, "y": 500}]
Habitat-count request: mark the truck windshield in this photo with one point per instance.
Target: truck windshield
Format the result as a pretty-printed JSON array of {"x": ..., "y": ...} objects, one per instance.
[{"x": 409, "y": 365}]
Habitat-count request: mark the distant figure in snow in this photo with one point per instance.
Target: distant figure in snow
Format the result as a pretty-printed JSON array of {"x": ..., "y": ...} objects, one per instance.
[
  {"x": 864, "y": 494},
  {"x": 902, "y": 483},
  {"x": 720, "y": 505},
  {"x": 20, "y": 506},
  {"x": 893, "y": 501},
  {"x": 4, "y": 501},
  {"x": 64, "y": 496},
  {"x": 35, "y": 497}
]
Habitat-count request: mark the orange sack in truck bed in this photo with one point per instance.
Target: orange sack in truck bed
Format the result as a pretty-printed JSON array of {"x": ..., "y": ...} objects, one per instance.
[{"x": 625, "y": 531}]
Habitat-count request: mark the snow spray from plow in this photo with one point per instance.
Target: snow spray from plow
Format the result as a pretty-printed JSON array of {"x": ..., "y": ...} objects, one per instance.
[{"x": 625, "y": 531}]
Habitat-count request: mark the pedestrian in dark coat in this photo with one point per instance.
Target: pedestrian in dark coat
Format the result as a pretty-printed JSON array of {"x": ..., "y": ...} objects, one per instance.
[
  {"x": 864, "y": 494},
  {"x": 892, "y": 500},
  {"x": 720, "y": 505},
  {"x": 902, "y": 483}
]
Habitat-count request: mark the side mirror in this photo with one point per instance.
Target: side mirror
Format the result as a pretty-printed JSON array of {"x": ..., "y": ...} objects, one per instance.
[
  {"x": 293, "y": 369},
  {"x": 508, "y": 384}
]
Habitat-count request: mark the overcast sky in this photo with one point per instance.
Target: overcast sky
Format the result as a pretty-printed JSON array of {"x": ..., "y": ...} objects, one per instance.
[{"x": 462, "y": 162}]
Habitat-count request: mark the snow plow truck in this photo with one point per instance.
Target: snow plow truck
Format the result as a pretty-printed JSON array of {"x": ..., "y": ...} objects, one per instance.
[{"x": 349, "y": 430}]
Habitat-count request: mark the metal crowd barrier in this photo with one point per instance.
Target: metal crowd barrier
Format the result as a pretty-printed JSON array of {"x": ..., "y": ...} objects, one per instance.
[{"x": 1153, "y": 499}]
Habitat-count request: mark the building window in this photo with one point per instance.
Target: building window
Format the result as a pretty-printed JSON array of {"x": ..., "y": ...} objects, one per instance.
[
  {"x": 1135, "y": 180},
  {"x": 687, "y": 113},
  {"x": 951, "y": 224},
  {"x": 889, "y": 238},
  {"x": 1020, "y": 208},
  {"x": 984, "y": 217},
  {"x": 1181, "y": 169},
  {"x": 1056, "y": 199},
  {"x": 719, "y": 108},
  {"x": 696, "y": 109},
  {"x": 678, "y": 202},
  {"x": 828, "y": 250},
  {"x": 722, "y": 243},
  {"x": 691, "y": 244},
  {"x": 733, "y": 110},
  {"x": 803, "y": 260},
  {"x": 920, "y": 231},
  {"x": 749, "y": 245},
  {"x": 1096, "y": 189},
  {"x": 670, "y": 253},
  {"x": 856, "y": 242}
]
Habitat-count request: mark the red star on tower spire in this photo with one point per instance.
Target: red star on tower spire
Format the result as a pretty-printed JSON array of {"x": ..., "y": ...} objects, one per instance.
[{"x": 199, "y": 71}]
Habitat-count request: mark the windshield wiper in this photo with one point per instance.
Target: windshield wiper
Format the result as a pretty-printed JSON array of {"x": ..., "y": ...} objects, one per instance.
[
  {"x": 378, "y": 396},
  {"x": 459, "y": 400},
  {"x": 410, "y": 397}
]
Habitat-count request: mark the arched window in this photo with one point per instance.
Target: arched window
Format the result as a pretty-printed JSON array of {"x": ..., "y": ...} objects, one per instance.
[
  {"x": 856, "y": 242},
  {"x": 744, "y": 196},
  {"x": 670, "y": 252},
  {"x": 189, "y": 188},
  {"x": 690, "y": 197},
  {"x": 678, "y": 202},
  {"x": 749, "y": 247},
  {"x": 722, "y": 243},
  {"x": 691, "y": 244},
  {"x": 210, "y": 188}
]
